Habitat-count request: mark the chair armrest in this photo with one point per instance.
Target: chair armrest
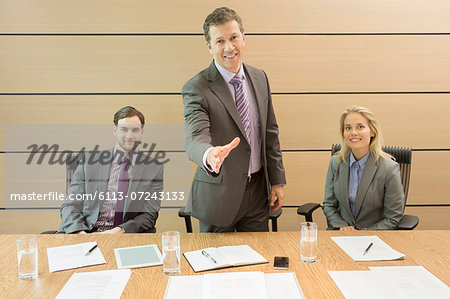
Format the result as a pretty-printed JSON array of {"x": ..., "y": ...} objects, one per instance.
[
  {"x": 408, "y": 222},
  {"x": 307, "y": 209},
  {"x": 276, "y": 214},
  {"x": 182, "y": 212}
]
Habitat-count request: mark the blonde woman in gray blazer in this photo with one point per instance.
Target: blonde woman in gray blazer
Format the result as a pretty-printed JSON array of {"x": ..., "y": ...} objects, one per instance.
[{"x": 363, "y": 188}]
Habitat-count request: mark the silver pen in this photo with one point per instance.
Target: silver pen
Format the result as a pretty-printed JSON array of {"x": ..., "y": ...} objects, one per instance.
[
  {"x": 367, "y": 249},
  {"x": 208, "y": 256}
]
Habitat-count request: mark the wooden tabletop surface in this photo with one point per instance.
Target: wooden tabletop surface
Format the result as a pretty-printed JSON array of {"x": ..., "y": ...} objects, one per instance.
[{"x": 430, "y": 249}]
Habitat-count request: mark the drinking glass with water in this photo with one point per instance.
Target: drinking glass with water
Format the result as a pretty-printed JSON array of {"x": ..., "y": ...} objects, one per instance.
[
  {"x": 308, "y": 242},
  {"x": 171, "y": 252},
  {"x": 27, "y": 257}
]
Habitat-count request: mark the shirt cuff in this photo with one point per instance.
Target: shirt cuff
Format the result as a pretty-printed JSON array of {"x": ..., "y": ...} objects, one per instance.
[{"x": 205, "y": 155}]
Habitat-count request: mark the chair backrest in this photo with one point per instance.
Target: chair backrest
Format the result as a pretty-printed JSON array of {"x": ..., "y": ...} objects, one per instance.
[{"x": 402, "y": 155}]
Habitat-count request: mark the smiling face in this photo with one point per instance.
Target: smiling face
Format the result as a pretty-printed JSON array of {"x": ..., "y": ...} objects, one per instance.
[
  {"x": 357, "y": 134},
  {"x": 227, "y": 45},
  {"x": 128, "y": 131}
]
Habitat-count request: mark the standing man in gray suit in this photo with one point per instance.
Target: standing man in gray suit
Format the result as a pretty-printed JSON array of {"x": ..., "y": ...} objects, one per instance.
[
  {"x": 116, "y": 190},
  {"x": 232, "y": 135}
]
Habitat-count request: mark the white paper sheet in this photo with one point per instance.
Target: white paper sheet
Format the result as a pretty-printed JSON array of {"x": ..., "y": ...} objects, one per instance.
[
  {"x": 234, "y": 285},
  {"x": 107, "y": 284},
  {"x": 283, "y": 285},
  {"x": 277, "y": 286},
  {"x": 73, "y": 256},
  {"x": 186, "y": 287},
  {"x": 356, "y": 245},
  {"x": 409, "y": 282},
  {"x": 414, "y": 281},
  {"x": 361, "y": 284}
]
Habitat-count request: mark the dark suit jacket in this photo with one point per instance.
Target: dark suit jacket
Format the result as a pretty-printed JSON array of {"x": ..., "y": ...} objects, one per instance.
[
  {"x": 139, "y": 215},
  {"x": 211, "y": 119},
  {"x": 379, "y": 202}
]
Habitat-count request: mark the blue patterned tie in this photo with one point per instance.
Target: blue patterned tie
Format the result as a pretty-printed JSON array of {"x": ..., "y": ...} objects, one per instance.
[{"x": 242, "y": 104}]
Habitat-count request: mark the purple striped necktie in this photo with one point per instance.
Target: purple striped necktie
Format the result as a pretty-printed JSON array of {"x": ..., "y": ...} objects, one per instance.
[
  {"x": 122, "y": 190},
  {"x": 242, "y": 104}
]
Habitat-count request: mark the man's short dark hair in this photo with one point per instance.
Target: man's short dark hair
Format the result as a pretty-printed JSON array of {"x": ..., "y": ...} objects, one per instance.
[
  {"x": 219, "y": 17},
  {"x": 128, "y": 111}
]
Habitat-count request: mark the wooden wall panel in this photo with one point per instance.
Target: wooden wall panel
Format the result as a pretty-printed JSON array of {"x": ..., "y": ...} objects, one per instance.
[
  {"x": 305, "y": 121},
  {"x": 312, "y": 121},
  {"x": 431, "y": 217},
  {"x": 430, "y": 176},
  {"x": 76, "y": 121},
  {"x": 112, "y": 64},
  {"x": 140, "y": 16}
]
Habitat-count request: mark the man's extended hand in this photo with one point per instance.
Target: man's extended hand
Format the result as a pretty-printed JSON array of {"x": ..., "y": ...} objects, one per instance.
[
  {"x": 219, "y": 153},
  {"x": 276, "y": 197}
]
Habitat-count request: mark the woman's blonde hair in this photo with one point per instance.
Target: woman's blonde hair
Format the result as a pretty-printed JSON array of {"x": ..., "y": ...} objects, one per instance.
[{"x": 376, "y": 142}]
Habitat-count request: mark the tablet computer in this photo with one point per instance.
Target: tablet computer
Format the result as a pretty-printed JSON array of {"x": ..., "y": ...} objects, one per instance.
[{"x": 138, "y": 256}]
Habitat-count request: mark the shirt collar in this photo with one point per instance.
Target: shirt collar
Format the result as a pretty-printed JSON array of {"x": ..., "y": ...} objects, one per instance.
[
  {"x": 226, "y": 74},
  {"x": 118, "y": 156},
  {"x": 362, "y": 162}
]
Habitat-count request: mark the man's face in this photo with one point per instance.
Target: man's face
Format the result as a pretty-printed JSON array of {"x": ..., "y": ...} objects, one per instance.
[
  {"x": 227, "y": 45},
  {"x": 127, "y": 132}
]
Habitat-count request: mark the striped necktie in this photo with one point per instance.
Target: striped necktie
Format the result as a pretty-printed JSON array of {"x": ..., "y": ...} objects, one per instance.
[{"x": 242, "y": 104}]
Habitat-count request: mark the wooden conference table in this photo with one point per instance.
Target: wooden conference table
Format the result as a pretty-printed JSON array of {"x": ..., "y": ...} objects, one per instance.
[{"x": 430, "y": 249}]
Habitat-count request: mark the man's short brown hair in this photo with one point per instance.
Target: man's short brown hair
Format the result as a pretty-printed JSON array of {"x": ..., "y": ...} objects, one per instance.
[
  {"x": 218, "y": 17},
  {"x": 128, "y": 111}
]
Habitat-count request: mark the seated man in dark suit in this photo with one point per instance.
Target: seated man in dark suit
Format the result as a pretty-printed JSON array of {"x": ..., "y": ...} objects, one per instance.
[{"x": 115, "y": 190}]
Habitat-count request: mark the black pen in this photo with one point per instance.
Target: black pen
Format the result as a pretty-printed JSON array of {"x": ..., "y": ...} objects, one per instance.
[
  {"x": 208, "y": 256},
  {"x": 90, "y": 250},
  {"x": 367, "y": 249}
]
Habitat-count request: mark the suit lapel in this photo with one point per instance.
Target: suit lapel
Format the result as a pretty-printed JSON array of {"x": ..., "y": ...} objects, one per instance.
[
  {"x": 220, "y": 88},
  {"x": 136, "y": 177},
  {"x": 343, "y": 171},
  {"x": 368, "y": 174},
  {"x": 105, "y": 169},
  {"x": 260, "y": 95}
]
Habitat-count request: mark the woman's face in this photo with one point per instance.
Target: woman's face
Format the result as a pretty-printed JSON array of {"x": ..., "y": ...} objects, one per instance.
[{"x": 357, "y": 134}]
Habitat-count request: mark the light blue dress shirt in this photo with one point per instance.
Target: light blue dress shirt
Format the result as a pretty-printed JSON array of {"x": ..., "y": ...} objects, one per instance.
[{"x": 354, "y": 178}]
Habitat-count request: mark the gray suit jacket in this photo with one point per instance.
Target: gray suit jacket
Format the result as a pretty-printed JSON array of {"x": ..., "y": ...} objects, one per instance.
[
  {"x": 211, "y": 119},
  {"x": 379, "y": 202},
  {"x": 139, "y": 214}
]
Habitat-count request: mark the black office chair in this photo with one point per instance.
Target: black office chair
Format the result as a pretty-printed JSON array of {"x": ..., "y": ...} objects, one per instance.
[
  {"x": 273, "y": 216},
  {"x": 72, "y": 162},
  {"x": 403, "y": 157}
]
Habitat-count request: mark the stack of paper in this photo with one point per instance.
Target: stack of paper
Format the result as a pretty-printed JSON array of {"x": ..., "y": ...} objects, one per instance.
[
  {"x": 234, "y": 285},
  {"x": 100, "y": 284},
  {"x": 390, "y": 282},
  {"x": 74, "y": 256},
  {"x": 378, "y": 251}
]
